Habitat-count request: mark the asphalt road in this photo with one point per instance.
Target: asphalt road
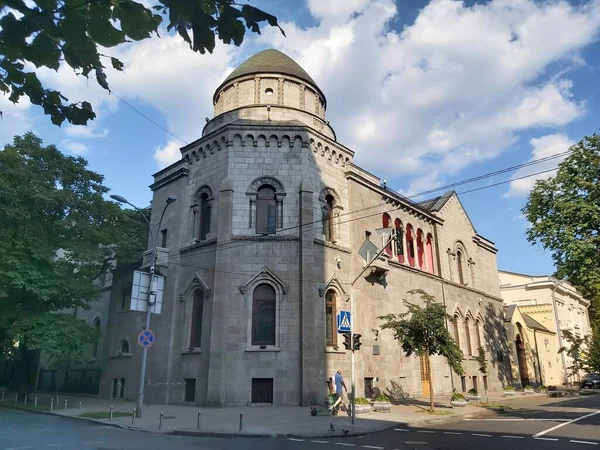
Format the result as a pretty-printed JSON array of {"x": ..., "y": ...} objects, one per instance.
[{"x": 538, "y": 424}]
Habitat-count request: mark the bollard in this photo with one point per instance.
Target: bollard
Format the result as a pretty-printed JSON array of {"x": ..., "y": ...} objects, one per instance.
[
  {"x": 198, "y": 422},
  {"x": 111, "y": 411},
  {"x": 133, "y": 417},
  {"x": 160, "y": 420},
  {"x": 241, "y": 421},
  {"x": 51, "y": 404},
  {"x": 65, "y": 405},
  {"x": 25, "y": 402},
  {"x": 35, "y": 403},
  {"x": 79, "y": 409}
]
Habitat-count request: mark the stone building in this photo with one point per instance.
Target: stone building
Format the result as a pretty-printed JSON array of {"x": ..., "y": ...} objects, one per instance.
[
  {"x": 555, "y": 305},
  {"x": 261, "y": 248}
]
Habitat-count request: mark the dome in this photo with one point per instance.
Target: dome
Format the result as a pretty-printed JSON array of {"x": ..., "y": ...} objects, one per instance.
[{"x": 270, "y": 61}]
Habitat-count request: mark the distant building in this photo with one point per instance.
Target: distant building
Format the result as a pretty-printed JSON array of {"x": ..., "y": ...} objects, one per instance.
[
  {"x": 547, "y": 307},
  {"x": 260, "y": 250}
]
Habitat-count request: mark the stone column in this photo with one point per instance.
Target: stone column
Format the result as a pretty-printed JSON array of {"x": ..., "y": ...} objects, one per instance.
[
  {"x": 252, "y": 215},
  {"x": 218, "y": 382},
  {"x": 414, "y": 247},
  {"x": 404, "y": 247}
]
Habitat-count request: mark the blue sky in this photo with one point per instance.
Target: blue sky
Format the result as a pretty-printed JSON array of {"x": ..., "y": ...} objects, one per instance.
[{"x": 426, "y": 93}]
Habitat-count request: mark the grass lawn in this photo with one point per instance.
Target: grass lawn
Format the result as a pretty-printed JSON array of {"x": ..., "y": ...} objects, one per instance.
[{"x": 104, "y": 414}]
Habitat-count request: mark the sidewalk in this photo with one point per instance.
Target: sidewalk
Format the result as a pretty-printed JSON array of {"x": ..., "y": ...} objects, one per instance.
[{"x": 257, "y": 421}]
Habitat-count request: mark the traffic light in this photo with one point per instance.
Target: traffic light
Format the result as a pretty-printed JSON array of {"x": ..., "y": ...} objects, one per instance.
[
  {"x": 356, "y": 342},
  {"x": 347, "y": 340}
]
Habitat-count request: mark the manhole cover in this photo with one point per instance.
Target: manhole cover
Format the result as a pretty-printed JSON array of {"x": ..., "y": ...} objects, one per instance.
[{"x": 416, "y": 442}]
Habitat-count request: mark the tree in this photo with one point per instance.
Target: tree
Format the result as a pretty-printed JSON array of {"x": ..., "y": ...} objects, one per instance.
[
  {"x": 422, "y": 331},
  {"x": 593, "y": 354},
  {"x": 564, "y": 217},
  {"x": 58, "y": 235},
  {"x": 577, "y": 351},
  {"x": 482, "y": 362},
  {"x": 48, "y": 33}
]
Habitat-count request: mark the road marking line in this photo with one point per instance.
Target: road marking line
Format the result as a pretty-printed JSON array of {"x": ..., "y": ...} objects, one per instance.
[
  {"x": 517, "y": 420},
  {"x": 541, "y": 433},
  {"x": 320, "y": 442},
  {"x": 295, "y": 440},
  {"x": 513, "y": 437},
  {"x": 373, "y": 446},
  {"x": 52, "y": 445},
  {"x": 345, "y": 444},
  {"x": 425, "y": 431},
  {"x": 546, "y": 439},
  {"x": 102, "y": 442},
  {"x": 482, "y": 435},
  {"x": 400, "y": 429},
  {"x": 451, "y": 432},
  {"x": 17, "y": 448},
  {"x": 583, "y": 442}
]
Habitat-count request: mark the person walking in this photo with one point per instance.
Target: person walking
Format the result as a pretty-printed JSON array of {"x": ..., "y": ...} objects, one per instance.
[{"x": 338, "y": 381}]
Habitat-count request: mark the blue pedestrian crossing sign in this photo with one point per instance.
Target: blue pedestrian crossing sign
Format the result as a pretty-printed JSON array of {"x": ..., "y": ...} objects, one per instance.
[
  {"x": 343, "y": 321},
  {"x": 146, "y": 338}
]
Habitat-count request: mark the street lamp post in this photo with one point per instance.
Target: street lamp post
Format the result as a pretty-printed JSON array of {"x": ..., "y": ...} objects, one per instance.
[{"x": 151, "y": 299}]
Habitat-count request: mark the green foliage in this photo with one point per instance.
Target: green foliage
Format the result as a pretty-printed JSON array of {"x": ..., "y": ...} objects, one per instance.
[
  {"x": 457, "y": 397},
  {"x": 593, "y": 354},
  {"x": 564, "y": 213},
  {"x": 48, "y": 33},
  {"x": 62, "y": 337},
  {"x": 577, "y": 351},
  {"x": 543, "y": 389},
  {"x": 424, "y": 332},
  {"x": 58, "y": 233},
  {"x": 472, "y": 391},
  {"x": 481, "y": 360},
  {"x": 382, "y": 398},
  {"x": 509, "y": 388},
  {"x": 529, "y": 387},
  {"x": 361, "y": 401}
]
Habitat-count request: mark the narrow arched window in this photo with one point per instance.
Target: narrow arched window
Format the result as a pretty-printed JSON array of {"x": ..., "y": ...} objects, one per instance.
[
  {"x": 429, "y": 253},
  {"x": 263, "y": 315},
  {"x": 205, "y": 212},
  {"x": 420, "y": 250},
  {"x": 399, "y": 243},
  {"x": 330, "y": 319},
  {"x": 197, "y": 313},
  {"x": 386, "y": 222},
  {"x": 266, "y": 210},
  {"x": 456, "y": 330},
  {"x": 124, "y": 346},
  {"x": 478, "y": 333},
  {"x": 459, "y": 261},
  {"x": 97, "y": 329},
  {"x": 410, "y": 248},
  {"x": 328, "y": 228},
  {"x": 468, "y": 336}
]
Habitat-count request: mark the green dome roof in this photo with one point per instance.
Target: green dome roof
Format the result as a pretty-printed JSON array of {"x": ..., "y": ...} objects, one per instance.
[{"x": 270, "y": 61}]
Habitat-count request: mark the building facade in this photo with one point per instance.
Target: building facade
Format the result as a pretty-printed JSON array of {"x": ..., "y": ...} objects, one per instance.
[
  {"x": 557, "y": 307},
  {"x": 272, "y": 225}
]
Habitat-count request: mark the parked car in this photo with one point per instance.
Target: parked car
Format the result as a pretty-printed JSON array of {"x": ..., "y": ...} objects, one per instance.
[{"x": 591, "y": 380}]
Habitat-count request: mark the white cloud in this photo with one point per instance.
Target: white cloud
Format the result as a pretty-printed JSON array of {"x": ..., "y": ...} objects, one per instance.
[
  {"x": 15, "y": 119},
  {"x": 77, "y": 148},
  {"x": 167, "y": 154},
  {"x": 89, "y": 131},
  {"x": 543, "y": 147}
]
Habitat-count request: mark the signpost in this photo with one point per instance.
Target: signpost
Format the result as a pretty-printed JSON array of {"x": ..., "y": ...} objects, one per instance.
[
  {"x": 344, "y": 320},
  {"x": 146, "y": 338}
]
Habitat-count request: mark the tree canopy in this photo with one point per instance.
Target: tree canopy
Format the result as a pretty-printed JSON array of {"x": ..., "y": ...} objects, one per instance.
[
  {"x": 422, "y": 331},
  {"x": 78, "y": 34},
  {"x": 564, "y": 217},
  {"x": 58, "y": 233}
]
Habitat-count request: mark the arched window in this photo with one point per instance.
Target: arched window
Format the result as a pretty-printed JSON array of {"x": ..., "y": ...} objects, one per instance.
[
  {"x": 330, "y": 319},
  {"x": 205, "y": 212},
  {"x": 263, "y": 315},
  {"x": 399, "y": 240},
  {"x": 468, "y": 336},
  {"x": 266, "y": 210},
  {"x": 478, "y": 334},
  {"x": 197, "y": 312},
  {"x": 124, "y": 346},
  {"x": 386, "y": 221},
  {"x": 420, "y": 250},
  {"x": 429, "y": 253},
  {"x": 328, "y": 229},
  {"x": 410, "y": 248},
  {"x": 97, "y": 329},
  {"x": 459, "y": 261},
  {"x": 456, "y": 330}
]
